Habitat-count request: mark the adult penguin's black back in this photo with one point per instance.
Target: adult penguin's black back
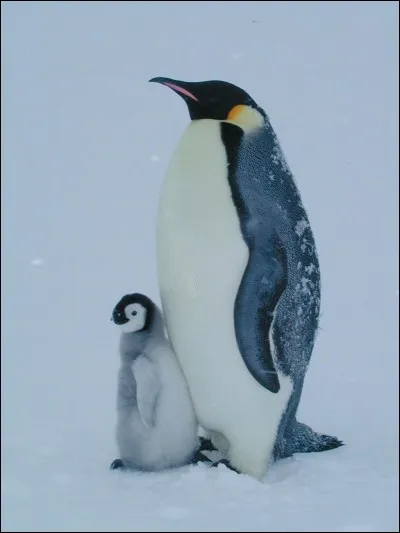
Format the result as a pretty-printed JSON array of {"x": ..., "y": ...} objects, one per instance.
[
  {"x": 264, "y": 191},
  {"x": 239, "y": 277}
]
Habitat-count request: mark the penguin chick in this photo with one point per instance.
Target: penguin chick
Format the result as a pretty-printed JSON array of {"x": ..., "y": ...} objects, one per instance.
[{"x": 156, "y": 423}]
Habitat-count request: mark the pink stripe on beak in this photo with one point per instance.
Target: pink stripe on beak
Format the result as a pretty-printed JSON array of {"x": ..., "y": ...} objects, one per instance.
[{"x": 181, "y": 90}]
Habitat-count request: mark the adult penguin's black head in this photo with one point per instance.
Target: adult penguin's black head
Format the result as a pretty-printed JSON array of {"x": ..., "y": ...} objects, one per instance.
[{"x": 218, "y": 100}]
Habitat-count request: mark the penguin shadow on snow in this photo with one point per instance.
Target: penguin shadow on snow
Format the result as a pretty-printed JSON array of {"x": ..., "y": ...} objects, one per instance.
[{"x": 156, "y": 424}]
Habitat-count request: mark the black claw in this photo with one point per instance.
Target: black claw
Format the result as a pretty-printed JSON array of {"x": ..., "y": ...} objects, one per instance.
[
  {"x": 199, "y": 457},
  {"x": 227, "y": 464},
  {"x": 207, "y": 445},
  {"x": 117, "y": 464}
]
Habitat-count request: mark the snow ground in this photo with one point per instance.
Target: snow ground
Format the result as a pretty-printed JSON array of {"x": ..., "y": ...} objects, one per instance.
[{"x": 85, "y": 141}]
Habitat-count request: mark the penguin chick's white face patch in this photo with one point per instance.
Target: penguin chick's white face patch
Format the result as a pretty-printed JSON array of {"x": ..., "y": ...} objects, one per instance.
[
  {"x": 136, "y": 315},
  {"x": 246, "y": 117}
]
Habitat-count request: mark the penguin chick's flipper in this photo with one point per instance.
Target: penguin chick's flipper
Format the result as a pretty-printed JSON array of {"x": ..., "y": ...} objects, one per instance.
[
  {"x": 262, "y": 286},
  {"x": 148, "y": 386},
  {"x": 118, "y": 464}
]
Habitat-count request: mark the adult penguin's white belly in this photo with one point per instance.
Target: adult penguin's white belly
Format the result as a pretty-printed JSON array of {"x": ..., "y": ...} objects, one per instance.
[{"x": 201, "y": 259}]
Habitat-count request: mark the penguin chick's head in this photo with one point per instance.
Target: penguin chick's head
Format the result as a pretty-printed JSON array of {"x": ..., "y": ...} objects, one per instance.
[
  {"x": 218, "y": 100},
  {"x": 133, "y": 313}
]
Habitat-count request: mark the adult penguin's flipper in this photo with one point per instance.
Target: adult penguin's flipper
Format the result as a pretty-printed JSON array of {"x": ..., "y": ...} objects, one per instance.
[{"x": 263, "y": 283}]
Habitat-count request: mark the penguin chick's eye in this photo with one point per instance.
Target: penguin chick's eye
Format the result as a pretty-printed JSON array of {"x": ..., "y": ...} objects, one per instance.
[{"x": 134, "y": 313}]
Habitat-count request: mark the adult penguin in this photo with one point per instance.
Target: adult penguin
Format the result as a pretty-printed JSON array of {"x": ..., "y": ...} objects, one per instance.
[{"x": 239, "y": 277}]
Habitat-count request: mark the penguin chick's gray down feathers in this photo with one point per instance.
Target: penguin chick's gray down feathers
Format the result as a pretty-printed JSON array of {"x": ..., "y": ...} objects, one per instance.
[{"x": 156, "y": 424}]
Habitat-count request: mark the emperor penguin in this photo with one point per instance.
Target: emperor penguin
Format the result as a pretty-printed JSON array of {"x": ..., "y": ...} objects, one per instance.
[
  {"x": 239, "y": 277},
  {"x": 156, "y": 423}
]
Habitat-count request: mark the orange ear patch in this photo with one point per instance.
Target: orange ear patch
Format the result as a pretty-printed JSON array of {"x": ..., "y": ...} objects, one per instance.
[
  {"x": 235, "y": 112},
  {"x": 246, "y": 117}
]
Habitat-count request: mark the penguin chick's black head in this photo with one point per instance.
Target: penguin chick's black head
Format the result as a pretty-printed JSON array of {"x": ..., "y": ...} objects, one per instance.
[
  {"x": 218, "y": 100},
  {"x": 134, "y": 312}
]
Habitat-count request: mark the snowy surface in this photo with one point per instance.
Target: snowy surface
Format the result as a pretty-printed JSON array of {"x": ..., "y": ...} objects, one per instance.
[{"x": 85, "y": 142}]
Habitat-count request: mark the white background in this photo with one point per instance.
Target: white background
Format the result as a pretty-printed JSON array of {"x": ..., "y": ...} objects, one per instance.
[{"x": 85, "y": 143}]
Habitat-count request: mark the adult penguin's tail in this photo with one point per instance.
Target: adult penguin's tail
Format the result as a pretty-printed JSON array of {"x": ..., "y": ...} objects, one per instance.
[{"x": 300, "y": 438}]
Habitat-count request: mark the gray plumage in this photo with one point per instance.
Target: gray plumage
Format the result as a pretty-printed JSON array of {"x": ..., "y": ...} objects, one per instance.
[
  {"x": 156, "y": 424},
  {"x": 282, "y": 274}
]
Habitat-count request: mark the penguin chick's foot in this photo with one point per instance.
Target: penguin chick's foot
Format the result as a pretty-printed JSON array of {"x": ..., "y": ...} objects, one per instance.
[
  {"x": 118, "y": 464},
  {"x": 227, "y": 464},
  {"x": 199, "y": 457}
]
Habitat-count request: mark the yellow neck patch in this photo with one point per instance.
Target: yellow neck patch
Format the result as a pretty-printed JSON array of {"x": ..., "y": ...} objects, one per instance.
[{"x": 246, "y": 117}]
